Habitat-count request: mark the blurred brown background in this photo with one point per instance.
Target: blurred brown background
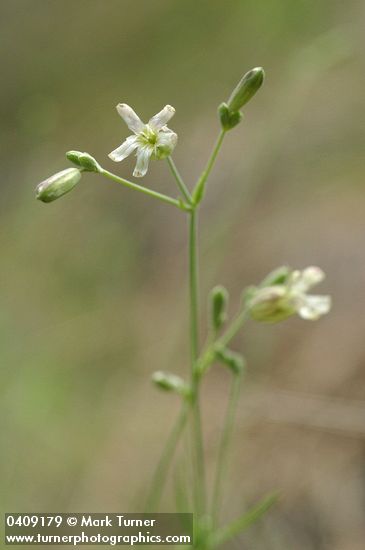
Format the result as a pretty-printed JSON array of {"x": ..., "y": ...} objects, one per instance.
[{"x": 93, "y": 294}]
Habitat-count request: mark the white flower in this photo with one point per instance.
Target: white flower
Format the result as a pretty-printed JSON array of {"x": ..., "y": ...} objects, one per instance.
[
  {"x": 151, "y": 140},
  {"x": 279, "y": 301},
  {"x": 308, "y": 306}
]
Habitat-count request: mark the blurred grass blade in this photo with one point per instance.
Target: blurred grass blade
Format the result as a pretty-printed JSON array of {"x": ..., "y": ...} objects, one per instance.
[
  {"x": 181, "y": 496},
  {"x": 241, "y": 524}
]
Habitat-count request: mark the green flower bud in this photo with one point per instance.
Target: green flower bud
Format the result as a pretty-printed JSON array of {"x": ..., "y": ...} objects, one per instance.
[
  {"x": 170, "y": 382},
  {"x": 84, "y": 161},
  {"x": 229, "y": 119},
  {"x": 246, "y": 88},
  {"x": 57, "y": 185},
  {"x": 235, "y": 361},
  {"x": 218, "y": 306}
]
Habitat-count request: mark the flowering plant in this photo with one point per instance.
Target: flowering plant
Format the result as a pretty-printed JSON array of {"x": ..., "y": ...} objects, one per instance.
[{"x": 282, "y": 294}]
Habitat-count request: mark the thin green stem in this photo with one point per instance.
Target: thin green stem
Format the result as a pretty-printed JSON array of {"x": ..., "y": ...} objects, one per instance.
[
  {"x": 160, "y": 475},
  {"x": 180, "y": 182},
  {"x": 234, "y": 327},
  {"x": 198, "y": 447},
  {"x": 176, "y": 433},
  {"x": 141, "y": 189},
  {"x": 208, "y": 355},
  {"x": 162, "y": 468},
  {"x": 199, "y": 190},
  {"x": 224, "y": 446},
  {"x": 194, "y": 290},
  {"x": 239, "y": 525}
]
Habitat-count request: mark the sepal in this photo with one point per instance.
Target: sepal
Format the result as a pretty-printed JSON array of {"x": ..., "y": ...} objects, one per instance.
[
  {"x": 84, "y": 161},
  {"x": 228, "y": 119}
]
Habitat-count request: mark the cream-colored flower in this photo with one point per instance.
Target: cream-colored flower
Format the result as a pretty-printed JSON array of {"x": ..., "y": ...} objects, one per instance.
[
  {"x": 279, "y": 301},
  {"x": 152, "y": 140}
]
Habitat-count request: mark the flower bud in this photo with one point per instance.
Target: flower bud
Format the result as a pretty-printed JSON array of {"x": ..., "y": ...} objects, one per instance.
[
  {"x": 235, "y": 361},
  {"x": 218, "y": 306},
  {"x": 57, "y": 185},
  {"x": 246, "y": 88},
  {"x": 170, "y": 382}
]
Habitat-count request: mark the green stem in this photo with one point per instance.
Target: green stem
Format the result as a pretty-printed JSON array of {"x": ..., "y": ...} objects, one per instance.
[
  {"x": 160, "y": 475},
  {"x": 162, "y": 468},
  {"x": 241, "y": 524},
  {"x": 224, "y": 445},
  {"x": 141, "y": 189},
  {"x": 180, "y": 182},
  {"x": 208, "y": 355},
  {"x": 232, "y": 330},
  {"x": 199, "y": 190},
  {"x": 193, "y": 285},
  {"x": 198, "y": 447}
]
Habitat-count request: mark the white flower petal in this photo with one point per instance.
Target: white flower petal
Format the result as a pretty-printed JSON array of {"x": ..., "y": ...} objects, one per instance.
[
  {"x": 304, "y": 280},
  {"x": 158, "y": 121},
  {"x": 143, "y": 157},
  {"x": 313, "y": 275},
  {"x": 312, "y": 307},
  {"x": 131, "y": 119},
  {"x": 124, "y": 150}
]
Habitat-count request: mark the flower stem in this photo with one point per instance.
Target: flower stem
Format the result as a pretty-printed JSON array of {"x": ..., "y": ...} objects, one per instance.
[
  {"x": 207, "y": 357},
  {"x": 233, "y": 328},
  {"x": 167, "y": 456},
  {"x": 239, "y": 525},
  {"x": 160, "y": 475},
  {"x": 199, "y": 190},
  {"x": 224, "y": 446},
  {"x": 180, "y": 182},
  {"x": 193, "y": 285},
  {"x": 198, "y": 447},
  {"x": 141, "y": 189}
]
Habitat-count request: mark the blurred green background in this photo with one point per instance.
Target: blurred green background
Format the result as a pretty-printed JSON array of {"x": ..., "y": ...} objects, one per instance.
[{"x": 93, "y": 293}]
